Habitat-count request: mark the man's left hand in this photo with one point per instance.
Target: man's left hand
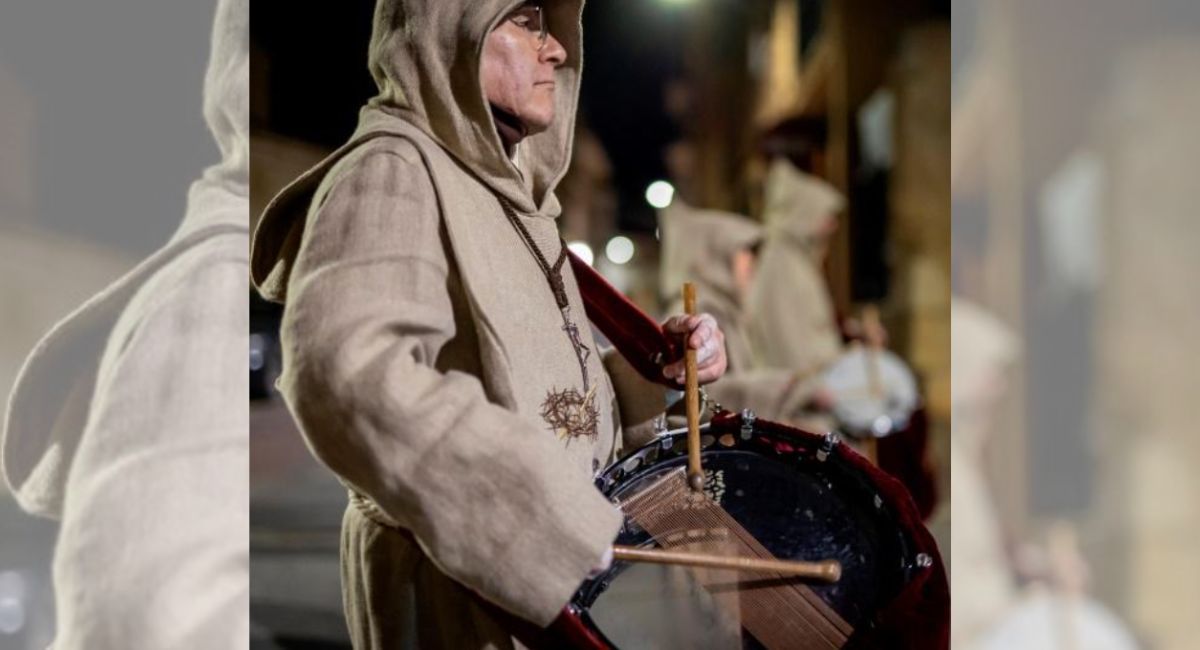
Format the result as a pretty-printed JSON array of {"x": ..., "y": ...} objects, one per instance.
[{"x": 706, "y": 338}]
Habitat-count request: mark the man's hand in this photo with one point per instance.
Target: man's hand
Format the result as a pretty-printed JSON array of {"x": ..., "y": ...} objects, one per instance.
[
  {"x": 605, "y": 562},
  {"x": 870, "y": 331},
  {"x": 706, "y": 338},
  {"x": 823, "y": 400}
]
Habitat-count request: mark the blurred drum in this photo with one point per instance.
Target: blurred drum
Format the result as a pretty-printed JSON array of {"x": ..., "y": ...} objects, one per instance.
[
  {"x": 875, "y": 393},
  {"x": 1050, "y": 621},
  {"x": 878, "y": 408}
]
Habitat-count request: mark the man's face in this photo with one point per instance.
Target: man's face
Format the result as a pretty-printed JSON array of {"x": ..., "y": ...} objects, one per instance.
[
  {"x": 517, "y": 70},
  {"x": 824, "y": 234},
  {"x": 745, "y": 262}
]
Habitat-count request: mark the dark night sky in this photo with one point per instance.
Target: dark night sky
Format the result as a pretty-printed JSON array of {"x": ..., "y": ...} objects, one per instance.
[{"x": 318, "y": 79}]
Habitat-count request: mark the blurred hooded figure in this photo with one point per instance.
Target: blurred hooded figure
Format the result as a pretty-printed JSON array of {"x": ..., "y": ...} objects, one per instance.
[
  {"x": 990, "y": 610},
  {"x": 128, "y": 421},
  {"x": 716, "y": 251},
  {"x": 982, "y": 582},
  {"x": 436, "y": 349},
  {"x": 790, "y": 320}
]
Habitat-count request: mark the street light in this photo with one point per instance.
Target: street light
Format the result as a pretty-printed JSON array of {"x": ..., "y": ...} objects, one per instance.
[
  {"x": 12, "y": 602},
  {"x": 660, "y": 194},
  {"x": 582, "y": 251},
  {"x": 619, "y": 249}
]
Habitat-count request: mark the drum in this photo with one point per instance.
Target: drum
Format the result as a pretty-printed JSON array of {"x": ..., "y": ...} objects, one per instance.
[
  {"x": 1046, "y": 621},
  {"x": 802, "y": 497},
  {"x": 875, "y": 392}
]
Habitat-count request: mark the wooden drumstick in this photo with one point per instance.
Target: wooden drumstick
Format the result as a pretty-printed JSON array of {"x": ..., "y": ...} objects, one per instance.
[
  {"x": 825, "y": 570},
  {"x": 695, "y": 473},
  {"x": 870, "y": 321},
  {"x": 1067, "y": 566}
]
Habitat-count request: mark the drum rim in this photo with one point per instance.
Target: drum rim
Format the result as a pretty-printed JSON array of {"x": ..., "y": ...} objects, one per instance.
[{"x": 899, "y": 418}]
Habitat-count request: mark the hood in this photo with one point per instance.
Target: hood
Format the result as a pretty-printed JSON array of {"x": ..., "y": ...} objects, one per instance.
[
  {"x": 49, "y": 407},
  {"x": 797, "y": 204},
  {"x": 425, "y": 57},
  {"x": 790, "y": 319},
  {"x": 222, "y": 193},
  {"x": 698, "y": 246},
  {"x": 227, "y": 94}
]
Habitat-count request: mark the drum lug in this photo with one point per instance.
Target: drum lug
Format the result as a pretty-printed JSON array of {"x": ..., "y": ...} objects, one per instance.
[
  {"x": 709, "y": 405},
  {"x": 924, "y": 560},
  {"x": 660, "y": 425},
  {"x": 827, "y": 444},
  {"x": 748, "y": 418}
]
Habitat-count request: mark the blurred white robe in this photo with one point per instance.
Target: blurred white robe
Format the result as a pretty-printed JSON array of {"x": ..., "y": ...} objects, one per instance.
[{"x": 129, "y": 420}]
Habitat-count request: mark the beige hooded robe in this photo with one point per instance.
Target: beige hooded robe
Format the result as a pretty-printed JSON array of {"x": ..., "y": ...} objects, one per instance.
[
  {"x": 128, "y": 421},
  {"x": 981, "y": 581},
  {"x": 790, "y": 320},
  {"x": 422, "y": 343},
  {"x": 698, "y": 246}
]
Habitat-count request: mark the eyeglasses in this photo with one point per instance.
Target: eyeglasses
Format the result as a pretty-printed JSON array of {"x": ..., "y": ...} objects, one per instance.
[{"x": 532, "y": 17}]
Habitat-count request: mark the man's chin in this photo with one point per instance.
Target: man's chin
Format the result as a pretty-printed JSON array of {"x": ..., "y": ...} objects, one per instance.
[
  {"x": 518, "y": 126},
  {"x": 536, "y": 124},
  {"x": 536, "y": 130}
]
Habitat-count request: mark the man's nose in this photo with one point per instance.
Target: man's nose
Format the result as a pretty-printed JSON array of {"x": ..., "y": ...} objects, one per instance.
[{"x": 553, "y": 52}]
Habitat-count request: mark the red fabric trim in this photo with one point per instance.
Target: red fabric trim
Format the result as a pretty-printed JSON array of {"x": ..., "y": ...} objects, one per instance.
[
  {"x": 636, "y": 336},
  {"x": 904, "y": 455},
  {"x": 566, "y": 631}
]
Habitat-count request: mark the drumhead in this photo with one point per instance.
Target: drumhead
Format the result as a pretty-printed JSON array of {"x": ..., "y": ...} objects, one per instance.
[
  {"x": 797, "y": 500},
  {"x": 858, "y": 411}
]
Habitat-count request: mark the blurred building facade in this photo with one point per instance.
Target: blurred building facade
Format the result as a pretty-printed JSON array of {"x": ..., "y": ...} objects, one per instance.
[
  {"x": 1073, "y": 133},
  {"x": 875, "y": 77}
]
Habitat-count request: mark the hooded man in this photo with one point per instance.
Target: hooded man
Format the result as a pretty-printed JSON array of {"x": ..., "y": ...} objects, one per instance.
[
  {"x": 128, "y": 421},
  {"x": 791, "y": 322},
  {"x": 436, "y": 350}
]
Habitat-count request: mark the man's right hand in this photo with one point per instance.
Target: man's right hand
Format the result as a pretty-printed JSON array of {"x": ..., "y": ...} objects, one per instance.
[
  {"x": 823, "y": 399},
  {"x": 605, "y": 562}
]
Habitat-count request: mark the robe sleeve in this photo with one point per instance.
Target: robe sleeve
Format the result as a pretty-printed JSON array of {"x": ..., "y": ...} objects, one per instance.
[
  {"x": 153, "y": 551},
  {"x": 488, "y": 496}
]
